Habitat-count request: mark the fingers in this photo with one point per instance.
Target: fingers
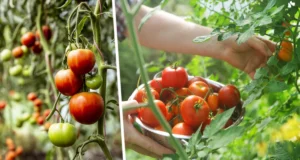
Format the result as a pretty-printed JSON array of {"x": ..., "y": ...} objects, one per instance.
[
  {"x": 142, "y": 150},
  {"x": 270, "y": 44},
  {"x": 260, "y": 46},
  {"x": 129, "y": 103}
]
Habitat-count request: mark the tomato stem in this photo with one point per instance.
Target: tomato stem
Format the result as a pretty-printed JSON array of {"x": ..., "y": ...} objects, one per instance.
[{"x": 53, "y": 108}]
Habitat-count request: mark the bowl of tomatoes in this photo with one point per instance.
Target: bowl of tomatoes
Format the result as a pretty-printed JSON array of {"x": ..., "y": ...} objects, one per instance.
[{"x": 187, "y": 102}]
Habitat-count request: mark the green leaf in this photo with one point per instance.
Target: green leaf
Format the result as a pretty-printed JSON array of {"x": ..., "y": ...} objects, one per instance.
[
  {"x": 277, "y": 10},
  {"x": 270, "y": 5},
  {"x": 81, "y": 24},
  {"x": 253, "y": 96},
  {"x": 200, "y": 39},
  {"x": 261, "y": 72},
  {"x": 245, "y": 36},
  {"x": 202, "y": 154},
  {"x": 289, "y": 68},
  {"x": 224, "y": 137},
  {"x": 225, "y": 36},
  {"x": 276, "y": 86},
  {"x": 273, "y": 61},
  {"x": 65, "y": 4},
  {"x": 218, "y": 123},
  {"x": 265, "y": 21},
  {"x": 264, "y": 123},
  {"x": 285, "y": 150}
]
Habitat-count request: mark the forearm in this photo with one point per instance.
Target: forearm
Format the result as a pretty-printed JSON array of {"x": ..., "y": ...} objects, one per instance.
[{"x": 170, "y": 33}]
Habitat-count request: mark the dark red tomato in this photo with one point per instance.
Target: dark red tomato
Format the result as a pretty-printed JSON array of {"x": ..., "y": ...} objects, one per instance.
[
  {"x": 17, "y": 52},
  {"x": 213, "y": 102},
  {"x": 67, "y": 82},
  {"x": 2, "y": 105},
  {"x": 37, "y": 48},
  {"x": 195, "y": 79},
  {"x": 81, "y": 61},
  {"x": 174, "y": 77},
  {"x": 177, "y": 119},
  {"x": 46, "y": 113},
  {"x": 183, "y": 129},
  {"x": 47, "y": 32},
  {"x": 166, "y": 94},
  {"x": 141, "y": 95},
  {"x": 228, "y": 123},
  {"x": 28, "y": 39},
  {"x": 32, "y": 96},
  {"x": 86, "y": 107},
  {"x": 206, "y": 123},
  {"x": 38, "y": 102},
  {"x": 229, "y": 96},
  {"x": 147, "y": 116},
  {"x": 194, "y": 110},
  {"x": 199, "y": 88},
  {"x": 40, "y": 120},
  {"x": 156, "y": 84}
]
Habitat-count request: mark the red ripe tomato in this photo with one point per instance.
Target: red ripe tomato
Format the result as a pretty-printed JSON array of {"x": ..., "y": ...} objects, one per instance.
[
  {"x": 67, "y": 82},
  {"x": 32, "y": 96},
  {"x": 28, "y": 39},
  {"x": 229, "y": 96},
  {"x": 40, "y": 120},
  {"x": 156, "y": 84},
  {"x": 37, "y": 48},
  {"x": 166, "y": 94},
  {"x": 183, "y": 129},
  {"x": 206, "y": 123},
  {"x": 174, "y": 77},
  {"x": 182, "y": 93},
  {"x": 195, "y": 79},
  {"x": 171, "y": 111},
  {"x": 160, "y": 128},
  {"x": 141, "y": 95},
  {"x": 38, "y": 102},
  {"x": 2, "y": 105},
  {"x": 46, "y": 113},
  {"x": 177, "y": 119},
  {"x": 81, "y": 61},
  {"x": 199, "y": 88},
  {"x": 147, "y": 116},
  {"x": 194, "y": 110},
  {"x": 86, "y": 107},
  {"x": 228, "y": 123},
  {"x": 213, "y": 102},
  {"x": 17, "y": 52},
  {"x": 46, "y": 31}
]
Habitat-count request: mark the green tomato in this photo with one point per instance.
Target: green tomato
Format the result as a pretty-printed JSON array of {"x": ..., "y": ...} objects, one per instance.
[
  {"x": 15, "y": 70},
  {"x": 23, "y": 30},
  {"x": 62, "y": 134},
  {"x": 93, "y": 82},
  {"x": 5, "y": 55},
  {"x": 19, "y": 61},
  {"x": 24, "y": 49},
  {"x": 32, "y": 121},
  {"x": 19, "y": 123},
  {"x": 16, "y": 97},
  {"x": 21, "y": 81},
  {"x": 24, "y": 117}
]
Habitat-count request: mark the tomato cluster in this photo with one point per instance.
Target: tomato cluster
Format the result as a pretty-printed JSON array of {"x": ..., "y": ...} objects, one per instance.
[
  {"x": 186, "y": 103},
  {"x": 12, "y": 151}
]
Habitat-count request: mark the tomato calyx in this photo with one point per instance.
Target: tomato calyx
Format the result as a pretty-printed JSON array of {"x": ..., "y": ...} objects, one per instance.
[{"x": 198, "y": 105}]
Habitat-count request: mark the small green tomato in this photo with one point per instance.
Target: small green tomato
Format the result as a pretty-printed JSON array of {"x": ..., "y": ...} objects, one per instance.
[
  {"x": 62, "y": 134},
  {"x": 6, "y": 55},
  {"x": 93, "y": 82},
  {"x": 15, "y": 70}
]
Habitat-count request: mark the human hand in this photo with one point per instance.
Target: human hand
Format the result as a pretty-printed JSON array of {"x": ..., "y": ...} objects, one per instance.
[
  {"x": 248, "y": 56},
  {"x": 137, "y": 141}
]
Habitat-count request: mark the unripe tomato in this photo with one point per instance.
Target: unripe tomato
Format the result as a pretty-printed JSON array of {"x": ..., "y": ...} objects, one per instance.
[
  {"x": 38, "y": 102},
  {"x": 182, "y": 129},
  {"x": 229, "y": 96},
  {"x": 17, "y": 52},
  {"x": 147, "y": 116},
  {"x": 67, "y": 82},
  {"x": 62, "y": 134},
  {"x": 2, "y": 104},
  {"x": 81, "y": 61},
  {"x": 5, "y": 55},
  {"x": 32, "y": 96},
  {"x": 20, "y": 81},
  {"x": 28, "y": 39},
  {"x": 194, "y": 110},
  {"x": 16, "y": 97},
  {"x": 174, "y": 77},
  {"x": 15, "y": 70},
  {"x": 46, "y": 31},
  {"x": 37, "y": 48},
  {"x": 24, "y": 49},
  {"x": 19, "y": 61},
  {"x": 19, "y": 123},
  {"x": 24, "y": 117},
  {"x": 26, "y": 72},
  {"x": 86, "y": 107},
  {"x": 93, "y": 82}
]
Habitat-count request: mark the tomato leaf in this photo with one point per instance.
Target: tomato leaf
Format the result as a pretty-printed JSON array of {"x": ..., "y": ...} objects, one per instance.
[
  {"x": 285, "y": 150},
  {"x": 194, "y": 142},
  {"x": 270, "y": 5},
  {"x": 276, "y": 86},
  {"x": 218, "y": 123},
  {"x": 264, "y": 21},
  {"x": 224, "y": 137},
  {"x": 289, "y": 68},
  {"x": 277, "y": 10},
  {"x": 65, "y": 4},
  {"x": 264, "y": 123},
  {"x": 81, "y": 24},
  {"x": 245, "y": 36},
  {"x": 200, "y": 39},
  {"x": 261, "y": 72}
]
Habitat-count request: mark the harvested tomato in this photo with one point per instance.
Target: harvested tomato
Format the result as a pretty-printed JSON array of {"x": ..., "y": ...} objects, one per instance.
[
  {"x": 38, "y": 102},
  {"x": 147, "y": 116},
  {"x": 229, "y": 96},
  {"x": 46, "y": 31},
  {"x": 81, "y": 61},
  {"x": 156, "y": 84},
  {"x": 174, "y": 77},
  {"x": 182, "y": 93},
  {"x": 141, "y": 95},
  {"x": 213, "y": 102},
  {"x": 28, "y": 39},
  {"x": 62, "y": 134},
  {"x": 32, "y": 96},
  {"x": 194, "y": 110},
  {"x": 183, "y": 129},
  {"x": 67, "y": 82},
  {"x": 160, "y": 128},
  {"x": 86, "y": 107},
  {"x": 37, "y": 47},
  {"x": 2, "y": 105},
  {"x": 200, "y": 89},
  {"x": 17, "y": 52},
  {"x": 171, "y": 111},
  {"x": 177, "y": 119},
  {"x": 166, "y": 94},
  {"x": 195, "y": 79}
]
